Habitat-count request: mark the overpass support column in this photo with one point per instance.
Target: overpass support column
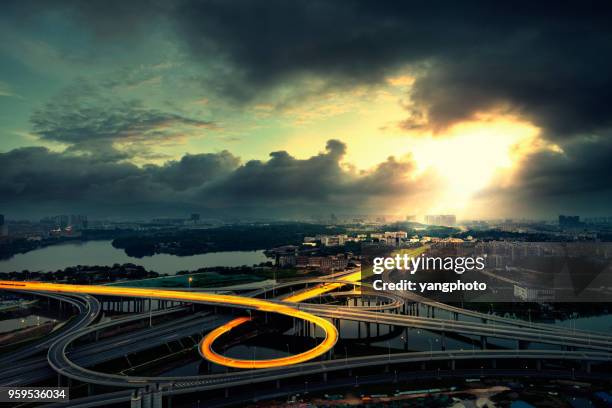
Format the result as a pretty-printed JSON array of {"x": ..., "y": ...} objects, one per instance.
[
  {"x": 539, "y": 365},
  {"x": 453, "y": 365},
  {"x": 278, "y": 384},
  {"x": 483, "y": 342},
  {"x": 157, "y": 397},
  {"x": 494, "y": 364},
  {"x": 136, "y": 400},
  {"x": 226, "y": 392},
  {"x": 324, "y": 377},
  {"x": 146, "y": 398}
]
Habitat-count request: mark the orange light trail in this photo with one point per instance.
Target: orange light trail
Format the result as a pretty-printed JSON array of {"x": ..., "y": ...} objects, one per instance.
[
  {"x": 207, "y": 351},
  {"x": 331, "y": 334}
]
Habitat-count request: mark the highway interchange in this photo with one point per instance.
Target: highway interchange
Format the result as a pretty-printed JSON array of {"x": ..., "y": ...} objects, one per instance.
[{"x": 72, "y": 361}]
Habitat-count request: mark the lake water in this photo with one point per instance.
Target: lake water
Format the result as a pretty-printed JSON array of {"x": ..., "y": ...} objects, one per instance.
[{"x": 62, "y": 256}]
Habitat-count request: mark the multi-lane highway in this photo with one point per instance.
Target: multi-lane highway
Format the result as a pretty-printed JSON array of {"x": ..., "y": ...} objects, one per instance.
[{"x": 88, "y": 308}]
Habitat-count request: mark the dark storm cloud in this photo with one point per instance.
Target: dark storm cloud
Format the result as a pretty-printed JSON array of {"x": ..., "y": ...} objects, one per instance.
[
  {"x": 87, "y": 120},
  {"x": 193, "y": 170},
  {"x": 578, "y": 179},
  {"x": 318, "y": 184},
  {"x": 204, "y": 181}
]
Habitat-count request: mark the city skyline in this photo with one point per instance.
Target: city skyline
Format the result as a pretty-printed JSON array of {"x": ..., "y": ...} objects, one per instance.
[{"x": 296, "y": 110}]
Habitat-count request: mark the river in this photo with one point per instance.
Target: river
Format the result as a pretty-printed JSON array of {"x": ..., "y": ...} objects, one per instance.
[{"x": 61, "y": 256}]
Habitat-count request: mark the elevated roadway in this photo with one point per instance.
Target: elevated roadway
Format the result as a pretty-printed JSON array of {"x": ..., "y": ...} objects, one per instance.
[
  {"x": 186, "y": 385},
  {"x": 88, "y": 308},
  {"x": 37, "y": 369}
]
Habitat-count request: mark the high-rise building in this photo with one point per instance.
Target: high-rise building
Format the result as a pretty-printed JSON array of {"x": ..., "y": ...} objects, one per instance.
[{"x": 447, "y": 220}]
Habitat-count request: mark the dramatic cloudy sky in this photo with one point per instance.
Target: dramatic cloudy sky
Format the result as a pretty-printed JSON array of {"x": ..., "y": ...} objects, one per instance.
[{"x": 302, "y": 108}]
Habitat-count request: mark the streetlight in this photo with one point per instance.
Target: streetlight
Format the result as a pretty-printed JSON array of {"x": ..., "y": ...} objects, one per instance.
[{"x": 189, "y": 280}]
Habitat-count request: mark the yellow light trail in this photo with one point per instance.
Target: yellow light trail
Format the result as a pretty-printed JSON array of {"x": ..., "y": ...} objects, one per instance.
[{"x": 331, "y": 334}]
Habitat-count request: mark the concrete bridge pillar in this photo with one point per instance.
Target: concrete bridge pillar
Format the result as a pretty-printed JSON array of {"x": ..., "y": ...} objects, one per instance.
[
  {"x": 539, "y": 365},
  {"x": 157, "y": 397},
  {"x": 136, "y": 400},
  {"x": 278, "y": 385},
  {"x": 324, "y": 377},
  {"x": 453, "y": 365},
  {"x": 146, "y": 399}
]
